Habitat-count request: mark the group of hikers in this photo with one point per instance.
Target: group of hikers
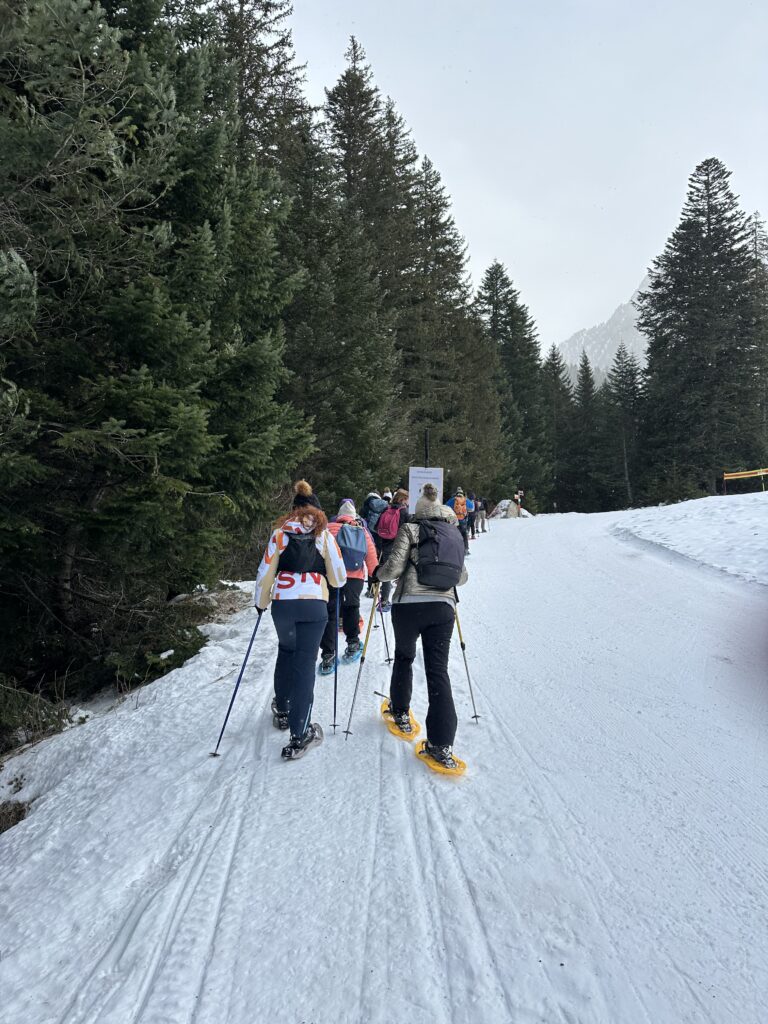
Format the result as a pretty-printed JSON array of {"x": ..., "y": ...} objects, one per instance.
[{"x": 313, "y": 572}]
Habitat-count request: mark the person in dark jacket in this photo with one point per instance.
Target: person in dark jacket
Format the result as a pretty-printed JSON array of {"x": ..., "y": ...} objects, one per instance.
[
  {"x": 471, "y": 515},
  {"x": 399, "y": 504},
  {"x": 421, "y": 611},
  {"x": 481, "y": 506},
  {"x": 370, "y": 511}
]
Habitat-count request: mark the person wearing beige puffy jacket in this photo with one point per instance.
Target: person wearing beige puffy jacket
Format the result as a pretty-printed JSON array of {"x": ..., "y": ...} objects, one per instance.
[{"x": 422, "y": 612}]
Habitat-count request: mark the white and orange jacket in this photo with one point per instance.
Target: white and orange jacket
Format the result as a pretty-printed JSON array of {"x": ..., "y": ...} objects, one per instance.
[{"x": 291, "y": 586}]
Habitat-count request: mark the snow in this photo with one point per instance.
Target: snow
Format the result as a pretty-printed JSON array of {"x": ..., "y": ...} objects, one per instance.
[
  {"x": 728, "y": 533},
  {"x": 604, "y": 861}
]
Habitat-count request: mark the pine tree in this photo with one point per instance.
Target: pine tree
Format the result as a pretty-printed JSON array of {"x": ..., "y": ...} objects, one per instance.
[
  {"x": 557, "y": 405},
  {"x": 433, "y": 370},
  {"x": 267, "y": 80},
  {"x": 702, "y": 374},
  {"x": 339, "y": 335},
  {"x": 229, "y": 211},
  {"x": 622, "y": 405},
  {"x": 582, "y": 457},
  {"x": 353, "y": 116},
  {"x": 758, "y": 245},
  {"x": 513, "y": 332}
]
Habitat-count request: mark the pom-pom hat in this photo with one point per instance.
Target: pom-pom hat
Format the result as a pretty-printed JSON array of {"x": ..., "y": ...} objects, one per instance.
[{"x": 304, "y": 495}]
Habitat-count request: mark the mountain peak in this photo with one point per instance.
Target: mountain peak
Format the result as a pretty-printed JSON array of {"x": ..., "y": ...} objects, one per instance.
[{"x": 602, "y": 341}]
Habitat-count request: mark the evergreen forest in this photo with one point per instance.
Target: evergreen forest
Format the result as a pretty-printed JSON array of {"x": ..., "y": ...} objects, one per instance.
[{"x": 208, "y": 288}]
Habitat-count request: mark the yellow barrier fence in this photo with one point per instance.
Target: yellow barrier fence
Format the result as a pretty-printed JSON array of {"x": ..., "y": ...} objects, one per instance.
[{"x": 746, "y": 474}]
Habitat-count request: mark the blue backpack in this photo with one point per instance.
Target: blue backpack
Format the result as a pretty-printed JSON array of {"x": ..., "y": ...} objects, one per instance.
[{"x": 353, "y": 545}]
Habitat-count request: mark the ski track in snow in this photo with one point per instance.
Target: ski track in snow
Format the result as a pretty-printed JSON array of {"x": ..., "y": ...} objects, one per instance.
[{"x": 604, "y": 860}]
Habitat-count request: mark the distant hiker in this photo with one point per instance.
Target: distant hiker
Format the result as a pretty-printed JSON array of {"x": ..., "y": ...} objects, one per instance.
[
  {"x": 458, "y": 503},
  {"x": 482, "y": 515},
  {"x": 371, "y": 509},
  {"x": 390, "y": 521},
  {"x": 513, "y": 509},
  {"x": 301, "y": 561},
  {"x": 471, "y": 515},
  {"x": 427, "y": 560},
  {"x": 359, "y": 553}
]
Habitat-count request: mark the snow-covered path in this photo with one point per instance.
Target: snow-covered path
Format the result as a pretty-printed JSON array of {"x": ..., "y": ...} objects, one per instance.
[{"x": 604, "y": 861}]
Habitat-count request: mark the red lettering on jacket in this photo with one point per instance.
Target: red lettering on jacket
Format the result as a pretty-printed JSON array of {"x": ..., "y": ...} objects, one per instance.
[{"x": 285, "y": 581}]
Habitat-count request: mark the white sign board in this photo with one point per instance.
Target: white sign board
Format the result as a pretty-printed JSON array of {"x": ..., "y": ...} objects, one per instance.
[{"x": 417, "y": 477}]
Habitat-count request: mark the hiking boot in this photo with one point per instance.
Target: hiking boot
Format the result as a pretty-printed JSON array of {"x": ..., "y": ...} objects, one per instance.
[
  {"x": 279, "y": 718},
  {"x": 402, "y": 719},
  {"x": 386, "y": 606},
  {"x": 443, "y": 755},
  {"x": 353, "y": 651},
  {"x": 327, "y": 664},
  {"x": 299, "y": 745}
]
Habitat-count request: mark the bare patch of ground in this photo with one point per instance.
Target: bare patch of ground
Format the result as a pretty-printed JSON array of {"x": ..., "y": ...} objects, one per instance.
[{"x": 11, "y": 813}]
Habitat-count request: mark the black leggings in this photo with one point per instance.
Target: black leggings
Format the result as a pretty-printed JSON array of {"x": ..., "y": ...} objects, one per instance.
[
  {"x": 433, "y": 622},
  {"x": 349, "y": 605},
  {"x": 464, "y": 531},
  {"x": 299, "y": 626}
]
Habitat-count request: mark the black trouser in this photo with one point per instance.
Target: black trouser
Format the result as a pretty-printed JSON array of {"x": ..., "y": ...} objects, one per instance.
[
  {"x": 464, "y": 531},
  {"x": 386, "y": 551},
  {"x": 349, "y": 604},
  {"x": 471, "y": 518},
  {"x": 433, "y": 622},
  {"x": 299, "y": 625}
]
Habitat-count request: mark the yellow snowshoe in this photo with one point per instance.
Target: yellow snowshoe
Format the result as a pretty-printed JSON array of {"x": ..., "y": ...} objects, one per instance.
[
  {"x": 394, "y": 728},
  {"x": 440, "y": 761}
]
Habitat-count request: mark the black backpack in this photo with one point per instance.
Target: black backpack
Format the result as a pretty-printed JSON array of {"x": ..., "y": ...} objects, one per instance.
[
  {"x": 441, "y": 554},
  {"x": 301, "y": 555}
]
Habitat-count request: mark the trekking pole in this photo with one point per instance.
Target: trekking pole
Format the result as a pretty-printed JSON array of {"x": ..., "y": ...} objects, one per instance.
[
  {"x": 466, "y": 666},
  {"x": 336, "y": 663},
  {"x": 348, "y": 731},
  {"x": 386, "y": 642},
  {"x": 215, "y": 753}
]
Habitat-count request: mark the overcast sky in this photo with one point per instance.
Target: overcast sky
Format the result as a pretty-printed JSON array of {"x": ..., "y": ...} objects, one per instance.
[{"x": 564, "y": 130}]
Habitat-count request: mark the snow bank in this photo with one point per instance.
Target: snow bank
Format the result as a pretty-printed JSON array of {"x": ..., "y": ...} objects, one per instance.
[{"x": 729, "y": 533}]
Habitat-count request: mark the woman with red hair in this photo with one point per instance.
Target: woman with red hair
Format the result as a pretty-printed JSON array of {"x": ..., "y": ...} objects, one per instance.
[{"x": 301, "y": 561}]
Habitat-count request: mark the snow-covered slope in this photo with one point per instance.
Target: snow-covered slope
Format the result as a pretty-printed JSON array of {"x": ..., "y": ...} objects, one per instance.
[
  {"x": 729, "y": 533},
  {"x": 603, "y": 861},
  {"x": 602, "y": 341}
]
